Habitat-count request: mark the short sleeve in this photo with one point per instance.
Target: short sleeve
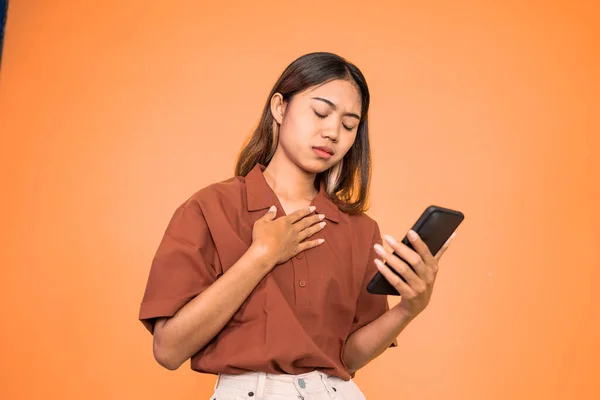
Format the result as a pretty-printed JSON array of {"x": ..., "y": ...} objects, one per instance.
[
  {"x": 370, "y": 306},
  {"x": 184, "y": 265}
]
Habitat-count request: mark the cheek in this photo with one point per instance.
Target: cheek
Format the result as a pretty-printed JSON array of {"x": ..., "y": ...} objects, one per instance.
[
  {"x": 288, "y": 138},
  {"x": 347, "y": 141},
  {"x": 295, "y": 131}
]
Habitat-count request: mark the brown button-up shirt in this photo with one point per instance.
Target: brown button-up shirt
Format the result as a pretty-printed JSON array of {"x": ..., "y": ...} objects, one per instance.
[{"x": 300, "y": 315}]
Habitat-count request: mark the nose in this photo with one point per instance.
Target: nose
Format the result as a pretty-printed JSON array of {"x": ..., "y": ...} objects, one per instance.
[{"x": 331, "y": 132}]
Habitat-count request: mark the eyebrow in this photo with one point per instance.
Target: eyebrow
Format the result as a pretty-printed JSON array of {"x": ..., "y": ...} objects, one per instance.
[{"x": 332, "y": 105}]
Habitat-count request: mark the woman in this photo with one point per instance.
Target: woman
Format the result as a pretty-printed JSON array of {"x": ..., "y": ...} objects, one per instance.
[{"x": 261, "y": 279}]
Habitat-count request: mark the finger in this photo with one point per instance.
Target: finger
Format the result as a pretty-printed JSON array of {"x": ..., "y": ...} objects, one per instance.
[
  {"x": 308, "y": 221},
  {"x": 270, "y": 214},
  {"x": 441, "y": 252},
  {"x": 308, "y": 232},
  {"x": 399, "y": 266},
  {"x": 408, "y": 255},
  {"x": 309, "y": 244},
  {"x": 420, "y": 247},
  {"x": 299, "y": 214},
  {"x": 403, "y": 288}
]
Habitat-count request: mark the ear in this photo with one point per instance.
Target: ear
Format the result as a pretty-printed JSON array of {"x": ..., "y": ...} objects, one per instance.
[{"x": 278, "y": 107}]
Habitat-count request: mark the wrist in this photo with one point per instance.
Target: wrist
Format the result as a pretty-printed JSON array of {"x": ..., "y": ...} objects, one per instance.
[
  {"x": 402, "y": 313},
  {"x": 260, "y": 257}
]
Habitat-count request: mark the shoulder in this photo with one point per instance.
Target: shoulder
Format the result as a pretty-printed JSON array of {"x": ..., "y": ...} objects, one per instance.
[
  {"x": 363, "y": 226},
  {"x": 228, "y": 191},
  {"x": 363, "y": 220}
]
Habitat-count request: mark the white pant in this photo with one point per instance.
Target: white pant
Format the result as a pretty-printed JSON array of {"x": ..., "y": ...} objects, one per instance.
[{"x": 261, "y": 386}]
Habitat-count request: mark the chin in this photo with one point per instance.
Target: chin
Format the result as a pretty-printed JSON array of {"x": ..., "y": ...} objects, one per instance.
[{"x": 315, "y": 166}]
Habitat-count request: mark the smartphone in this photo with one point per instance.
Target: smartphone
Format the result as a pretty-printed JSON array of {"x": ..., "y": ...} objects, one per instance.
[{"x": 434, "y": 226}]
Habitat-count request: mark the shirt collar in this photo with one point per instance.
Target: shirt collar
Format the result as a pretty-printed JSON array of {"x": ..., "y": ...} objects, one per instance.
[{"x": 260, "y": 196}]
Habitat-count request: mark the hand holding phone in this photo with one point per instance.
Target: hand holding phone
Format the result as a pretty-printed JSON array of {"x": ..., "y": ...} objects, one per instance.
[{"x": 434, "y": 228}]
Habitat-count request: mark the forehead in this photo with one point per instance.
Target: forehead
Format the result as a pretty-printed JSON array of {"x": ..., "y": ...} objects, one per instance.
[{"x": 343, "y": 93}]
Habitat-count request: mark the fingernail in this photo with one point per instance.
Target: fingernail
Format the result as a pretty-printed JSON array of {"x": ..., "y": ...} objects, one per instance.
[
  {"x": 378, "y": 263},
  {"x": 273, "y": 208},
  {"x": 379, "y": 248},
  {"x": 390, "y": 239},
  {"x": 312, "y": 208},
  {"x": 322, "y": 224},
  {"x": 321, "y": 241},
  {"x": 412, "y": 235},
  {"x": 321, "y": 216}
]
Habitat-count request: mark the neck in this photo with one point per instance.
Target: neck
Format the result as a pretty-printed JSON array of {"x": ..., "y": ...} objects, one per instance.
[{"x": 288, "y": 180}]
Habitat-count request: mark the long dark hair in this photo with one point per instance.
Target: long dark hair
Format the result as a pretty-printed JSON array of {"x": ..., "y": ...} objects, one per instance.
[
  {"x": 3, "y": 16},
  {"x": 348, "y": 181}
]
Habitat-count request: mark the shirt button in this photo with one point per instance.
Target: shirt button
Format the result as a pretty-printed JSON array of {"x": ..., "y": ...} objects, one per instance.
[
  {"x": 302, "y": 283},
  {"x": 299, "y": 256}
]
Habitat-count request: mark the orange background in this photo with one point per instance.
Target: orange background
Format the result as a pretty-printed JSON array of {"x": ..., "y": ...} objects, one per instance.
[{"x": 112, "y": 113}]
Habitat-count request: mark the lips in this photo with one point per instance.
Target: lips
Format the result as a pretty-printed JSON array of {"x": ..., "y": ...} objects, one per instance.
[{"x": 324, "y": 149}]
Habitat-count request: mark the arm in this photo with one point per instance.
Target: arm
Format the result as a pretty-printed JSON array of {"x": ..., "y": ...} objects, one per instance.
[
  {"x": 186, "y": 303},
  {"x": 371, "y": 340},
  {"x": 177, "y": 338}
]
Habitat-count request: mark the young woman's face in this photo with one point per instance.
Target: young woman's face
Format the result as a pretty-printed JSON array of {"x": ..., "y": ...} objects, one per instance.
[{"x": 318, "y": 126}]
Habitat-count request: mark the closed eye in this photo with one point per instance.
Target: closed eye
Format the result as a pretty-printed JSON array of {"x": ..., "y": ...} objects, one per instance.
[{"x": 325, "y": 116}]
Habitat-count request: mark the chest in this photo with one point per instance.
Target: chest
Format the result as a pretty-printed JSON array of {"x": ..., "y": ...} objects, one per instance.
[{"x": 332, "y": 270}]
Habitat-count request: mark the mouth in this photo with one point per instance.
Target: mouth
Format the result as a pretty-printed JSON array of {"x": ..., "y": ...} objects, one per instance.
[{"x": 323, "y": 151}]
